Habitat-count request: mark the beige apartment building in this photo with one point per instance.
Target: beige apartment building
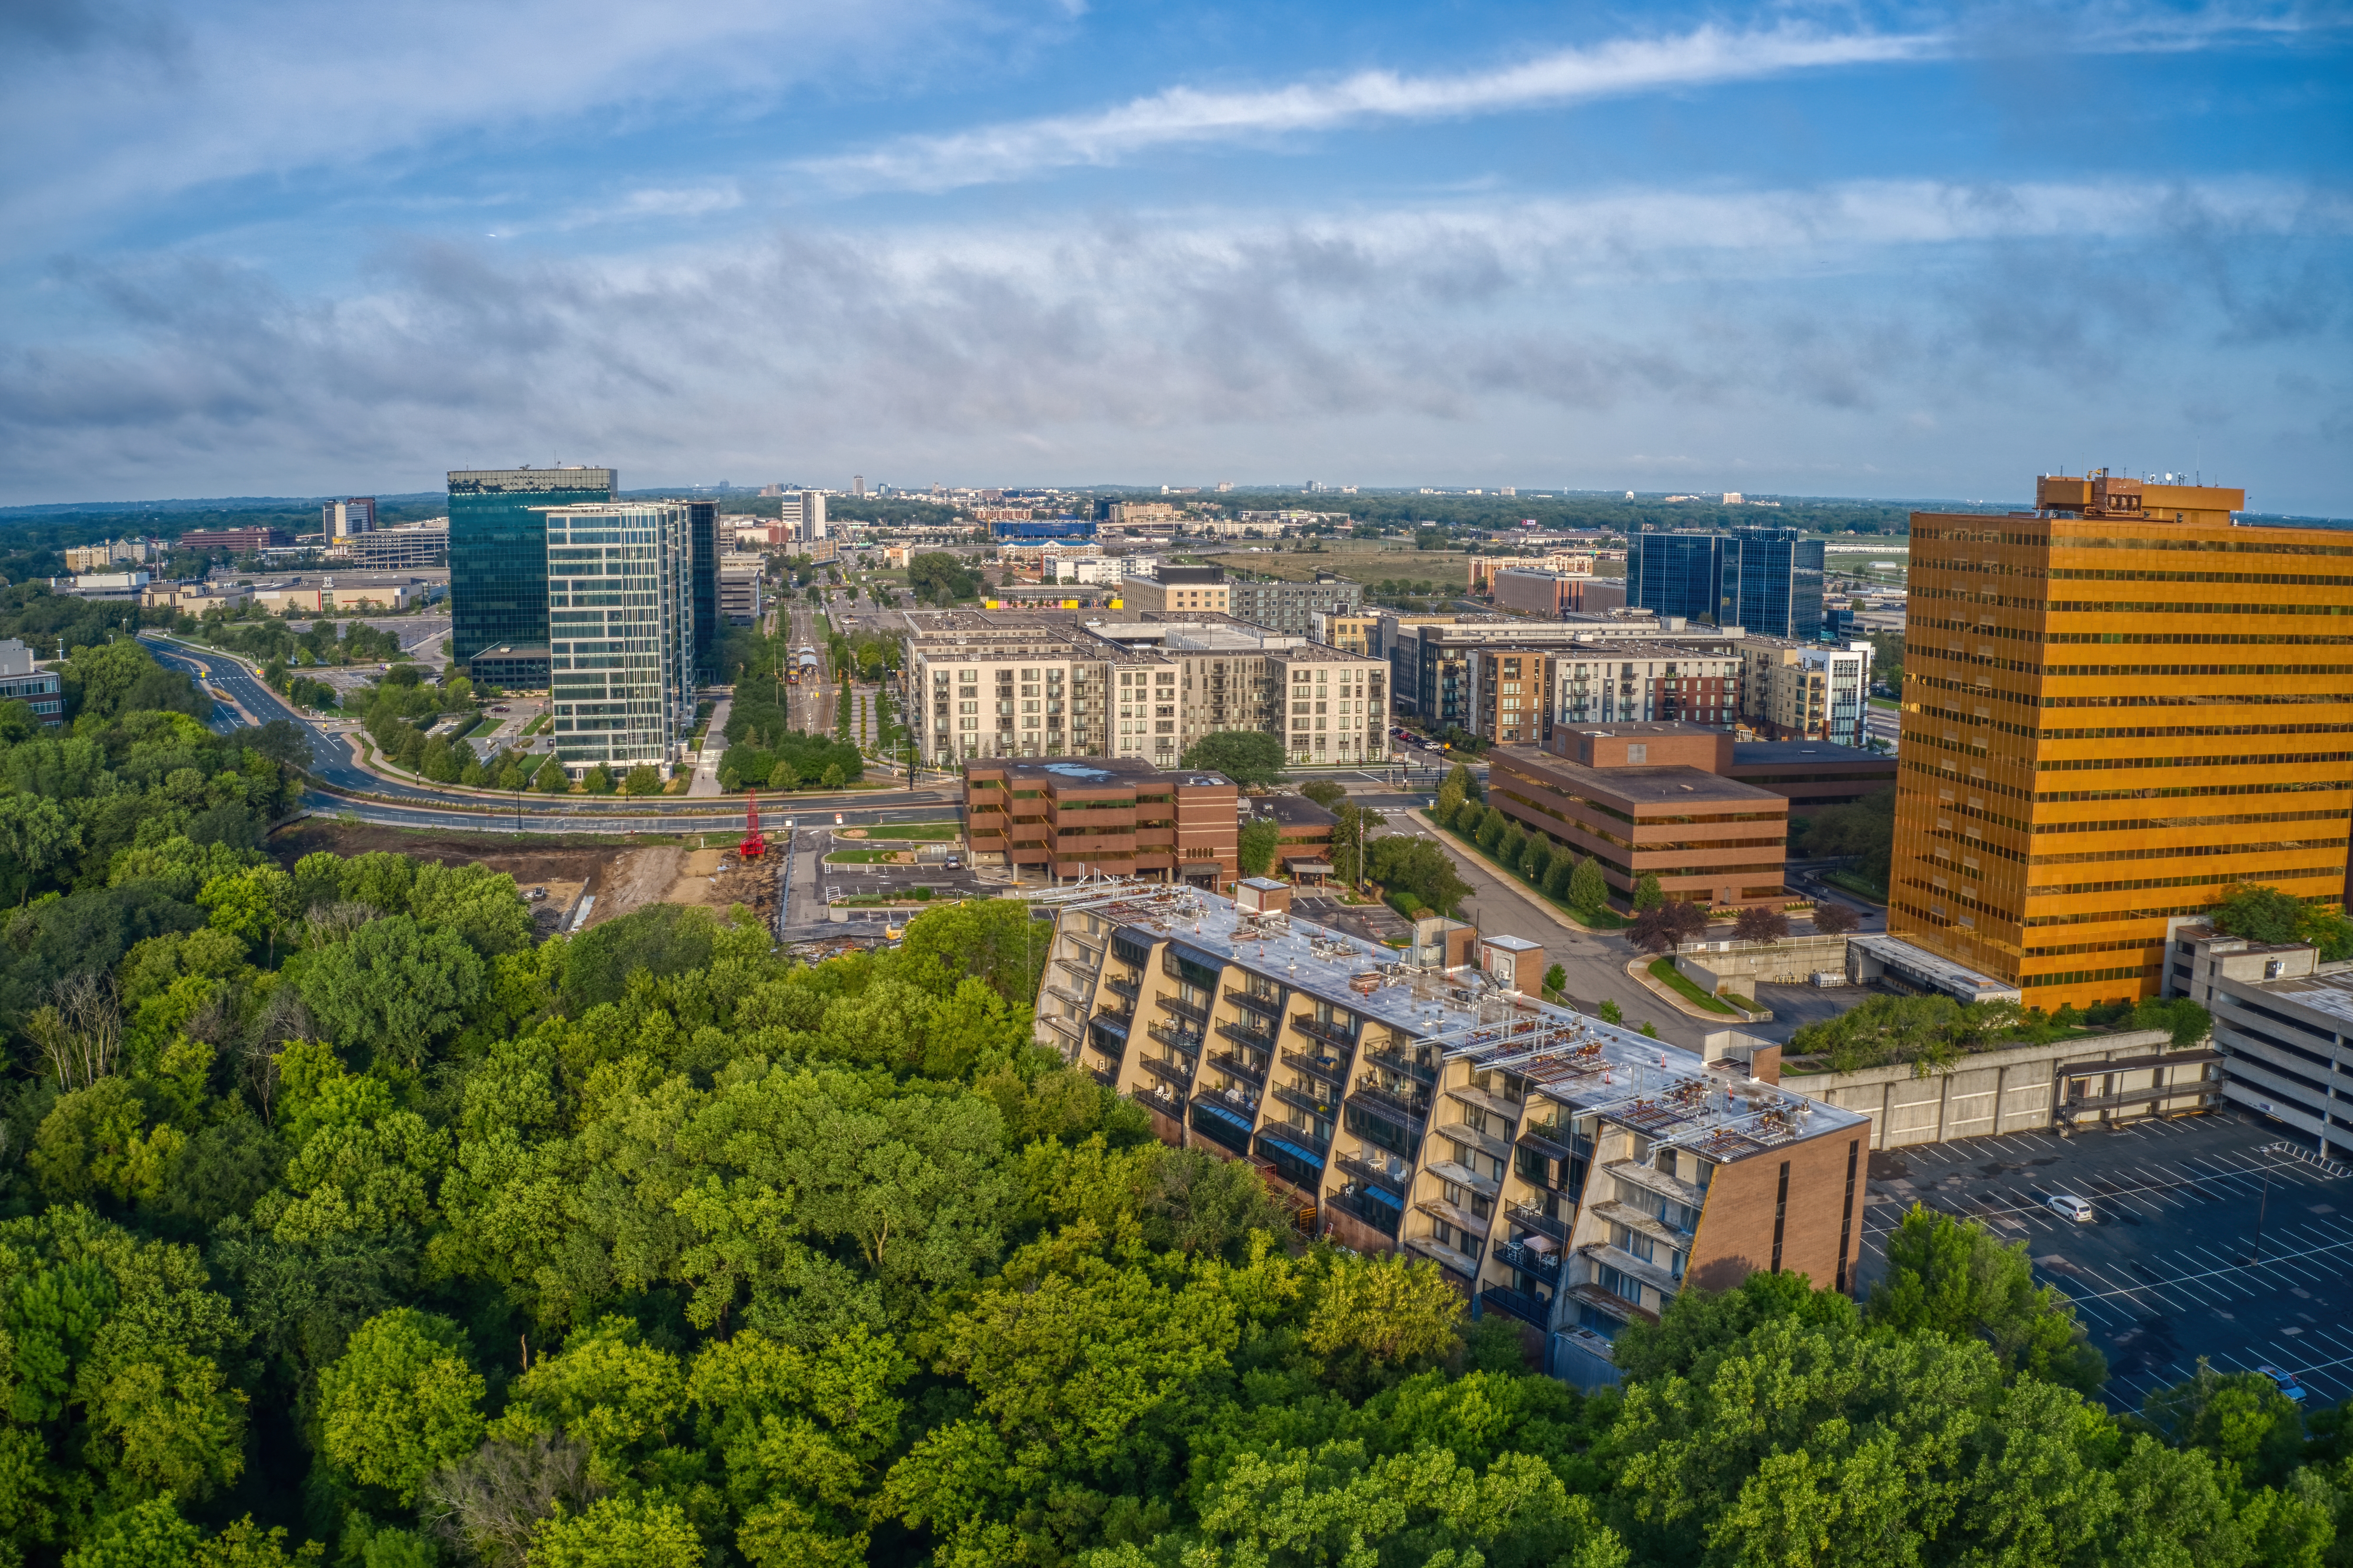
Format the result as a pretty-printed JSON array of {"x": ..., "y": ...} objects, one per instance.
[
  {"x": 1042, "y": 684},
  {"x": 1180, "y": 591},
  {"x": 1575, "y": 563},
  {"x": 1569, "y": 1173},
  {"x": 1806, "y": 691},
  {"x": 1350, "y": 632},
  {"x": 1641, "y": 683}
]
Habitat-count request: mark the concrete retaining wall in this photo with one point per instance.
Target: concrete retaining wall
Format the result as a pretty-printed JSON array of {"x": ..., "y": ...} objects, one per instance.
[
  {"x": 2014, "y": 1090},
  {"x": 1742, "y": 965}
]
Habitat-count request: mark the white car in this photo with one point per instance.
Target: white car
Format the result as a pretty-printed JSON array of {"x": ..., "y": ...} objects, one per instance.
[{"x": 2066, "y": 1206}]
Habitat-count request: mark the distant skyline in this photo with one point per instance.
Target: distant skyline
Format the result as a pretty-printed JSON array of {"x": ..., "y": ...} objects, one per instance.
[{"x": 1873, "y": 251}]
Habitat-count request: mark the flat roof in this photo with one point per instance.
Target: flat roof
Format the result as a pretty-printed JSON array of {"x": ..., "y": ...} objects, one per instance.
[
  {"x": 1919, "y": 963},
  {"x": 2328, "y": 994},
  {"x": 1578, "y": 1062},
  {"x": 1666, "y": 785},
  {"x": 1812, "y": 753}
]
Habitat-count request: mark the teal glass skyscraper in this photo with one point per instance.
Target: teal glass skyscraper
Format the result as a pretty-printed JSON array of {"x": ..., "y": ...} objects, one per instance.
[
  {"x": 498, "y": 561},
  {"x": 1773, "y": 584}
]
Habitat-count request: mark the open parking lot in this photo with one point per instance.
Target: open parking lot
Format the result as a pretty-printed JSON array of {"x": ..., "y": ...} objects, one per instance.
[{"x": 2205, "y": 1241}]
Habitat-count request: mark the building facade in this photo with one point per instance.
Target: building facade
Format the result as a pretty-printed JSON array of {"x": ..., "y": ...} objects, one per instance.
[
  {"x": 340, "y": 519},
  {"x": 1293, "y": 606},
  {"x": 401, "y": 548},
  {"x": 23, "y": 680},
  {"x": 1571, "y": 564},
  {"x": 2283, "y": 1024},
  {"x": 1354, "y": 633},
  {"x": 1679, "y": 574},
  {"x": 1772, "y": 582},
  {"x": 1799, "y": 691},
  {"x": 1553, "y": 594},
  {"x": 735, "y": 587},
  {"x": 1181, "y": 590},
  {"x": 233, "y": 540},
  {"x": 1563, "y": 1172},
  {"x": 2067, "y": 669},
  {"x": 1645, "y": 799},
  {"x": 1641, "y": 683},
  {"x": 620, "y": 613},
  {"x": 1431, "y": 669},
  {"x": 498, "y": 551},
  {"x": 702, "y": 541},
  {"x": 1066, "y": 822}
]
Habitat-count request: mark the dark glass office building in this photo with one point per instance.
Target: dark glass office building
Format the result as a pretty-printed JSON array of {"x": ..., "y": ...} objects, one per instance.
[
  {"x": 1676, "y": 573},
  {"x": 1773, "y": 584},
  {"x": 498, "y": 559},
  {"x": 703, "y": 530}
]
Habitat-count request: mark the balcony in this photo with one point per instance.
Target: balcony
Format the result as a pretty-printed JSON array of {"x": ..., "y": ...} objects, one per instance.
[
  {"x": 1175, "y": 1039},
  {"x": 1396, "y": 1178},
  {"x": 1537, "y": 1220},
  {"x": 1225, "y": 1124},
  {"x": 1556, "y": 1140},
  {"x": 1464, "y": 1133},
  {"x": 1314, "y": 1028},
  {"x": 1527, "y": 1308},
  {"x": 1407, "y": 1113},
  {"x": 1333, "y": 1070},
  {"x": 1306, "y": 1137},
  {"x": 1323, "y": 1106},
  {"x": 1240, "y": 1066},
  {"x": 1176, "y": 1074},
  {"x": 1107, "y": 1035},
  {"x": 1519, "y": 1255},
  {"x": 1107, "y": 1077},
  {"x": 1460, "y": 1219},
  {"x": 1270, "y": 1007},
  {"x": 1506, "y": 1111},
  {"x": 1244, "y": 1035},
  {"x": 1462, "y": 1262},
  {"x": 1403, "y": 1064},
  {"x": 1158, "y": 1099},
  {"x": 1366, "y": 1204},
  {"x": 1184, "y": 1009}
]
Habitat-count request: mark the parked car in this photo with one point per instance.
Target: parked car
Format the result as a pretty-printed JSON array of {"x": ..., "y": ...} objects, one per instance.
[
  {"x": 955, "y": 862},
  {"x": 2284, "y": 1382},
  {"x": 2069, "y": 1207}
]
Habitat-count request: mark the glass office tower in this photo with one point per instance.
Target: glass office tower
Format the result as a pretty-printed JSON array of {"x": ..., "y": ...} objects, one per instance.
[
  {"x": 1676, "y": 573},
  {"x": 702, "y": 522},
  {"x": 620, "y": 621},
  {"x": 498, "y": 559},
  {"x": 1772, "y": 584}
]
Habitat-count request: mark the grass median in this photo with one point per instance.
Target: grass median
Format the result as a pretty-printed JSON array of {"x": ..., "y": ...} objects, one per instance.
[{"x": 1664, "y": 972}]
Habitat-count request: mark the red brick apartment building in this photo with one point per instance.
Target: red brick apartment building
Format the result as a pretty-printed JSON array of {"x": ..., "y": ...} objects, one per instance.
[{"x": 1059, "y": 820}]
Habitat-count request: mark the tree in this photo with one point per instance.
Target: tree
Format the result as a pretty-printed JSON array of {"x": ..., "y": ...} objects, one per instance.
[
  {"x": 551, "y": 778},
  {"x": 1661, "y": 927},
  {"x": 1459, "y": 786},
  {"x": 393, "y": 988},
  {"x": 1951, "y": 1277},
  {"x": 1647, "y": 893},
  {"x": 402, "y": 1402},
  {"x": 1246, "y": 756},
  {"x": 1863, "y": 833},
  {"x": 1535, "y": 858},
  {"x": 598, "y": 780},
  {"x": 1324, "y": 793},
  {"x": 1555, "y": 979},
  {"x": 1609, "y": 1012},
  {"x": 1421, "y": 868},
  {"x": 643, "y": 780},
  {"x": 1376, "y": 1314},
  {"x": 2258, "y": 914},
  {"x": 1760, "y": 922},
  {"x": 617, "y": 1533},
  {"x": 1259, "y": 841},
  {"x": 1832, "y": 918},
  {"x": 481, "y": 905}
]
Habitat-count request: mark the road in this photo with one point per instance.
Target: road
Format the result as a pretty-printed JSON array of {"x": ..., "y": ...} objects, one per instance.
[{"x": 405, "y": 804}]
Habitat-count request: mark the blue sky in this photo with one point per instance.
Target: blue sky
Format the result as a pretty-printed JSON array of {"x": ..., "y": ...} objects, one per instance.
[{"x": 256, "y": 248}]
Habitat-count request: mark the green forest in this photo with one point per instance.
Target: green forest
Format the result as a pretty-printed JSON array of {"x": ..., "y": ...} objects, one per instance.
[{"x": 343, "y": 1222}]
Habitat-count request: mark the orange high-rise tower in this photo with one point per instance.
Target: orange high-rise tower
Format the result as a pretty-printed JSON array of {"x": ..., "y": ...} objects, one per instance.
[{"x": 2116, "y": 708}]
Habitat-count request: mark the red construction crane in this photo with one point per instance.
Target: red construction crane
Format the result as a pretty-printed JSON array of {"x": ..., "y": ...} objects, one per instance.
[{"x": 753, "y": 846}]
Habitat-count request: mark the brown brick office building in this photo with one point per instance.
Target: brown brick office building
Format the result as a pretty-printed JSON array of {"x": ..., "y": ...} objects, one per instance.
[
  {"x": 1058, "y": 820},
  {"x": 1646, "y": 799}
]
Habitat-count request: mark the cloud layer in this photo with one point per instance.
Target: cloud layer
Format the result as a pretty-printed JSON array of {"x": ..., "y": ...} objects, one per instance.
[
  {"x": 1794, "y": 339},
  {"x": 1184, "y": 115}
]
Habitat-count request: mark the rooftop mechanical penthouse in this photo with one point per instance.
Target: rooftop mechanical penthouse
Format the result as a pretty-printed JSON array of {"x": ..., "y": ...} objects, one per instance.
[{"x": 1569, "y": 1173}]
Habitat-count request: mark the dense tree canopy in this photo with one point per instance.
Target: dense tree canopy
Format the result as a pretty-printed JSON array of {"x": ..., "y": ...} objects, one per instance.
[{"x": 341, "y": 1222}]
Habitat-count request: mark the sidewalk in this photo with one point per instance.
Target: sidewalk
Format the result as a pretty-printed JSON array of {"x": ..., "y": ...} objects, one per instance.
[{"x": 705, "y": 783}]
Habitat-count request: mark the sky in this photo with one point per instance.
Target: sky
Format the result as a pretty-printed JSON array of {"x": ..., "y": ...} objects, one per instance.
[{"x": 257, "y": 248}]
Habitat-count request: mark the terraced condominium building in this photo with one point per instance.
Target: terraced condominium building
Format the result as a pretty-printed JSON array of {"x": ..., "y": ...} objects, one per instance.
[
  {"x": 2116, "y": 707},
  {"x": 1566, "y": 1173}
]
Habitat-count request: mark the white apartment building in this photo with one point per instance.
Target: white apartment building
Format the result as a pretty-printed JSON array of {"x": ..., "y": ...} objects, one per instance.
[
  {"x": 1637, "y": 683},
  {"x": 1806, "y": 691},
  {"x": 620, "y": 623}
]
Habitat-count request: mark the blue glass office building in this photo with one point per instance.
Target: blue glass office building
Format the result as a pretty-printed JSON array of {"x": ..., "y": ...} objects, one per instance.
[
  {"x": 1773, "y": 584},
  {"x": 498, "y": 559},
  {"x": 1676, "y": 573},
  {"x": 1066, "y": 528},
  {"x": 702, "y": 529}
]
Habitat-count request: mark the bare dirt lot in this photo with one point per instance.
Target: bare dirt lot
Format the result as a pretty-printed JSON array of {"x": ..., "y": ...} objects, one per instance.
[{"x": 620, "y": 878}]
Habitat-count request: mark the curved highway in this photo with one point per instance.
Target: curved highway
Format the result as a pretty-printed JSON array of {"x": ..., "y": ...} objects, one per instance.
[{"x": 401, "y": 803}]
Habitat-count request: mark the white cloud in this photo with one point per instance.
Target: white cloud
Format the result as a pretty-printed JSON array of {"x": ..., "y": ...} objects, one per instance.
[
  {"x": 1183, "y": 115},
  {"x": 1820, "y": 327}
]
